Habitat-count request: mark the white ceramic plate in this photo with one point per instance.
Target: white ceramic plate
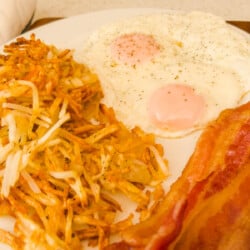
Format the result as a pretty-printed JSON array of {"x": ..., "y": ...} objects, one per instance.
[{"x": 70, "y": 33}]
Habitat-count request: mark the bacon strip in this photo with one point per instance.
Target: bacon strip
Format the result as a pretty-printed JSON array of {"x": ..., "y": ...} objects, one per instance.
[{"x": 208, "y": 207}]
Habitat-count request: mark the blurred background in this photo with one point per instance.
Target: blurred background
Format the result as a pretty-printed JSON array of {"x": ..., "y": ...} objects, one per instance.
[{"x": 229, "y": 9}]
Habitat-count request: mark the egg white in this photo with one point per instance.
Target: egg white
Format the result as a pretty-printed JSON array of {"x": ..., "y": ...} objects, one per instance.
[{"x": 197, "y": 49}]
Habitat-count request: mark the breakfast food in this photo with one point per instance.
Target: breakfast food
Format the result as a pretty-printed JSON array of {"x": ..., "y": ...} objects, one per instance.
[
  {"x": 208, "y": 207},
  {"x": 175, "y": 71},
  {"x": 64, "y": 157}
]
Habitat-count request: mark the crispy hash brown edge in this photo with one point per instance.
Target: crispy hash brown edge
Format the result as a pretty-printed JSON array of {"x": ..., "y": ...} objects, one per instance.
[{"x": 64, "y": 157}]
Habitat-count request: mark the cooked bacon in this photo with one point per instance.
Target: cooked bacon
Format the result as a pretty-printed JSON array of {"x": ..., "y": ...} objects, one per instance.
[{"x": 208, "y": 207}]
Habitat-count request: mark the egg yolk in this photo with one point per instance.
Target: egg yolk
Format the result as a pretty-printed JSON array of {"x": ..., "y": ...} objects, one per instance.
[
  {"x": 175, "y": 107},
  {"x": 134, "y": 48}
]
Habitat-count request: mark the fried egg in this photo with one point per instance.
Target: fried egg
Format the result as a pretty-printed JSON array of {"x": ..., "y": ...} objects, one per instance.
[{"x": 169, "y": 74}]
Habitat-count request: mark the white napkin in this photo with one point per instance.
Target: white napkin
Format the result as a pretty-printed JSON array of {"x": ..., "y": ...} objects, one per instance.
[{"x": 14, "y": 16}]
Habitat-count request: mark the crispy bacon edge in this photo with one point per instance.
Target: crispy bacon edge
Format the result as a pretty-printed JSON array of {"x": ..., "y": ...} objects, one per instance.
[{"x": 208, "y": 207}]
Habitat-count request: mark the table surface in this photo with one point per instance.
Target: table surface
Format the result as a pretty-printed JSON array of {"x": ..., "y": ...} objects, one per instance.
[{"x": 228, "y": 9}]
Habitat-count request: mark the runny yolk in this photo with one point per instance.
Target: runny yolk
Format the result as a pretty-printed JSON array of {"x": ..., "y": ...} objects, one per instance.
[
  {"x": 175, "y": 107},
  {"x": 134, "y": 48}
]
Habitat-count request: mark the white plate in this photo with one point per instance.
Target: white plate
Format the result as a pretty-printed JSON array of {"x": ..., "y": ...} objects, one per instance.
[{"x": 71, "y": 32}]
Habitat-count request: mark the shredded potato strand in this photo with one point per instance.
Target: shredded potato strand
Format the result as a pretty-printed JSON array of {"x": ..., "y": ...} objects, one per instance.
[{"x": 64, "y": 158}]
